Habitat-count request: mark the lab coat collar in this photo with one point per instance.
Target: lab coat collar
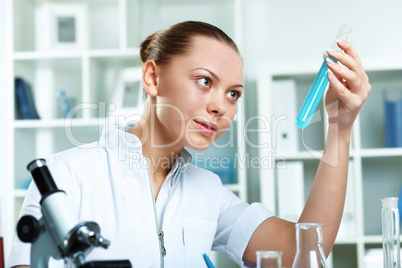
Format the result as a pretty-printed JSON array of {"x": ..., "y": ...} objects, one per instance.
[
  {"x": 181, "y": 162},
  {"x": 119, "y": 137}
]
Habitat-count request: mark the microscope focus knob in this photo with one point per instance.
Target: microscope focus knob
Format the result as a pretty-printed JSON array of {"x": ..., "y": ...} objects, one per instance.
[{"x": 28, "y": 229}]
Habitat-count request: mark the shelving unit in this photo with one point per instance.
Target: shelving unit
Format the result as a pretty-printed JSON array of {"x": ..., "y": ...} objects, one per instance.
[
  {"x": 115, "y": 30},
  {"x": 375, "y": 170}
]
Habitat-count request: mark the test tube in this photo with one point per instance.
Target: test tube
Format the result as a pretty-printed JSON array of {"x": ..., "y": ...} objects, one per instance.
[
  {"x": 1, "y": 240},
  {"x": 390, "y": 232},
  {"x": 320, "y": 84}
]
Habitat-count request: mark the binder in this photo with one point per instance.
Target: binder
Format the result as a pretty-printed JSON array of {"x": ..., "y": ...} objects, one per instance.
[
  {"x": 284, "y": 128},
  {"x": 393, "y": 123},
  {"x": 290, "y": 181},
  {"x": 348, "y": 222},
  {"x": 24, "y": 100}
]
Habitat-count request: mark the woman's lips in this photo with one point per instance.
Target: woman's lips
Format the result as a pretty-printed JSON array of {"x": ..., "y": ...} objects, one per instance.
[{"x": 207, "y": 128}]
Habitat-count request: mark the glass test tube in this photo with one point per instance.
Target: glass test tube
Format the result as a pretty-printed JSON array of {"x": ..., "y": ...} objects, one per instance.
[
  {"x": 390, "y": 232},
  {"x": 1, "y": 240},
  {"x": 320, "y": 84}
]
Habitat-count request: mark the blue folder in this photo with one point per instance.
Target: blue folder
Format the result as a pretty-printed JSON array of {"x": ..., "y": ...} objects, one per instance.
[
  {"x": 24, "y": 100},
  {"x": 393, "y": 123}
]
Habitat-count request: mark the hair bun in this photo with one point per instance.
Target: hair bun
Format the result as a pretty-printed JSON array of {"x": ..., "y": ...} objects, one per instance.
[
  {"x": 163, "y": 45},
  {"x": 145, "y": 47}
]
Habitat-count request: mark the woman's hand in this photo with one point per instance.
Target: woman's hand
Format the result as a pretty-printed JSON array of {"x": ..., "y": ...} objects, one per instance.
[{"x": 348, "y": 87}]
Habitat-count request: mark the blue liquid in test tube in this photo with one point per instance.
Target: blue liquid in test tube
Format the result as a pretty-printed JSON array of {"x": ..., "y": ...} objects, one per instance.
[
  {"x": 319, "y": 85},
  {"x": 314, "y": 96}
]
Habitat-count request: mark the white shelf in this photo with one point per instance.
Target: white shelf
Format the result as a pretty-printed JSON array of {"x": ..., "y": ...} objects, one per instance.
[
  {"x": 40, "y": 55},
  {"x": 376, "y": 171},
  {"x": 346, "y": 240},
  {"x": 301, "y": 68},
  {"x": 375, "y": 239},
  {"x": 58, "y": 123},
  {"x": 383, "y": 63},
  {"x": 303, "y": 156},
  {"x": 299, "y": 155},
  {"x": 20, "y": 193},
  {"x": 381, "y": 152},
  {"x": 233, "y": 187},
  {"x": 116, "y": 29}
]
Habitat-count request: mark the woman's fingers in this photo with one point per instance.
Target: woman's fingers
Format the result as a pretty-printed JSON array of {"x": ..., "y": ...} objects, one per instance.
[
  {"x": 350, "y": 71},
  {"x": 349, "y": 50},
  {"x": 349, "y": 100},
  {"x": 343, "y": 73},
  {"x": 349, "y": 85},
  {"x": 349, "y": 61}
]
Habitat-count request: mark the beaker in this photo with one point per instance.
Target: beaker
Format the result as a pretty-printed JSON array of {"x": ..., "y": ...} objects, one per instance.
[
  {"x": 390, "y": 232},
  {"x": 320, "y": 84},
  {"x": 309, "y": 251},
  {"x": 269, "y": 259}
]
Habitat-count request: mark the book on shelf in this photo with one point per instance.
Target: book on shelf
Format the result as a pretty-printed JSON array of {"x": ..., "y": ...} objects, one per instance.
[
  {"x": 66, "y": 103},
  {"x": 393, "y": 122},
  {"x": 24, "y": 100}
]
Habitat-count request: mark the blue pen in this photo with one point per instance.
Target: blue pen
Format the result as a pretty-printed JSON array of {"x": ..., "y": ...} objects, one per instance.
[{"x": 208, "y": 261}]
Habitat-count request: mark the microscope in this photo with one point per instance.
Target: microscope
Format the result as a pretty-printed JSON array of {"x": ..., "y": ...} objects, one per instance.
[{"x": 58, "y": 233}]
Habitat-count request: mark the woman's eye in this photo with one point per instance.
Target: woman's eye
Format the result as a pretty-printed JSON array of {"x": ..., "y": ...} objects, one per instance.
[
  {"x": 233, "y": 94},
  {"x": 205, "y": 82}
]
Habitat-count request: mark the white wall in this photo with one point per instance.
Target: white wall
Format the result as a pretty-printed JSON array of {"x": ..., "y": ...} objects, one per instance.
[
  {"x": 284, "y": 30},
  {"x": 301, "y": 30}
]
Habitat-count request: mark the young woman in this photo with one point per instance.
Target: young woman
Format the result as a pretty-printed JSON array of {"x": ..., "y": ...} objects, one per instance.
[{"x": 159, "y": 210}]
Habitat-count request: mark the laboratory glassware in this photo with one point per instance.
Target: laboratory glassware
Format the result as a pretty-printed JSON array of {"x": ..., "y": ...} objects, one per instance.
[
  {"x": 320, "y": 84},
  {"x": 1, "y": 240},
  {"x": 390, "y": 232},
  {"x": 309, "y": 251},
  {"x": 269, "y": 259}
]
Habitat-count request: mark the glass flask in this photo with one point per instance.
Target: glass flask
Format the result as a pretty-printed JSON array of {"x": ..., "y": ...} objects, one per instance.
[
  {"x": 269, "y": 259},
  {"x": 390, "y": 232},
  {"x": 309, "y": 251}
]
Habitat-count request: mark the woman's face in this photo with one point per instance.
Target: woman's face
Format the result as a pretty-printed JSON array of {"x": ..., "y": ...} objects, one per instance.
[{"x": 197, "y": 94}]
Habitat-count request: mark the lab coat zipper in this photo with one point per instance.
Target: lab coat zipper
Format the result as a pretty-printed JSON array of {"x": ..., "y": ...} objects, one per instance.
[
  {"x": 161, "y": 235},
  {"x": 158, "y": 232}
]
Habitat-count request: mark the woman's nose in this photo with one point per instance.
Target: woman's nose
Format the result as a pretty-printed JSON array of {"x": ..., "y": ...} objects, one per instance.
[{"x": 216, "y": 105}]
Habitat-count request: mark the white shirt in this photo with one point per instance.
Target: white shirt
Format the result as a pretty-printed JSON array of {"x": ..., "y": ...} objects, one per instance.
[{"x": 109, "y": 182}]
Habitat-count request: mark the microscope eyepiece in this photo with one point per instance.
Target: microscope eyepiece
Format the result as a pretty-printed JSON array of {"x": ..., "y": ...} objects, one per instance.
[
  {"x": 36, "y": 164},
  {"x": 42, "y": 177}
]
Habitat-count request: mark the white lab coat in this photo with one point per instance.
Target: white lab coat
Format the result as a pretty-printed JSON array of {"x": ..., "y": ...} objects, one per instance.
[{"x": 108, "y": 182}]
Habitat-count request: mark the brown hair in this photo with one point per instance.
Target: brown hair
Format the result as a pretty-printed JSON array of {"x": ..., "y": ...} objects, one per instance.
[{"x": 176, "y": 40}]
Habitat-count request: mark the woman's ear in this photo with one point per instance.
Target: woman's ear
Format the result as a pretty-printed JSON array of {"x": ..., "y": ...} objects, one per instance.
[{"x": 150, "y": 72}]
